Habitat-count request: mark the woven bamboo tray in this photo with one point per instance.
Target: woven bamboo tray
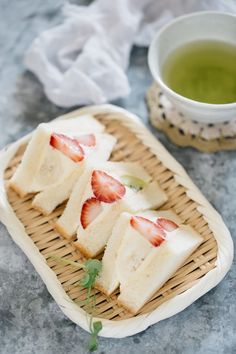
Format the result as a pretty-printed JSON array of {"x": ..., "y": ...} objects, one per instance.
[{"x": 34, "y": 232}]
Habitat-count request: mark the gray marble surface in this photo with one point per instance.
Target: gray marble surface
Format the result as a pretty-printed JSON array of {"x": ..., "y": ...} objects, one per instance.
[{"x": 30, "y": 321}]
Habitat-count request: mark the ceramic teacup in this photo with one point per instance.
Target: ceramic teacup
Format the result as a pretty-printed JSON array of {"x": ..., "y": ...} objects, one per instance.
[{"x": 207, "y": 25}]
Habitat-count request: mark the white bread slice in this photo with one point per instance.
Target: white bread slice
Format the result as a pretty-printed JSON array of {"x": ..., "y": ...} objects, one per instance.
[
  {"x": 148, "y": 197},
  {"x": 42, "y": 165},
  {"x": 161, "y": 263},
  {"x": 107, "y": 280},
  {"x": 68, "y": 222},
  {"x": 126, "y": 250},
  {"x": 53, "y": 195},
  {"x": 92, "y": 240},
  {"x": 82, "y": 124}
]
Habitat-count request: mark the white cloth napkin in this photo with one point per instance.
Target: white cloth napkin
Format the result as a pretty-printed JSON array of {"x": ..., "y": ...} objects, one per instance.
[{"x": 84, "y": 59}]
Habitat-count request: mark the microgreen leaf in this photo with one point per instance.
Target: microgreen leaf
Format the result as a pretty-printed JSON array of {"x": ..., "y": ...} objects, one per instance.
[
  {"x": 93, "y": 265},
  {"x": 91, "y": 268},
  {"x": 85, "y": 280},
  {"x": 96, "y": 327},
  {"x": 92, "y": 344}
]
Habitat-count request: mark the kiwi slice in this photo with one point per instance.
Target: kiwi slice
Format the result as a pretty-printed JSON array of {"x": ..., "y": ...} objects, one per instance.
[{"x": 133, "y": 182}]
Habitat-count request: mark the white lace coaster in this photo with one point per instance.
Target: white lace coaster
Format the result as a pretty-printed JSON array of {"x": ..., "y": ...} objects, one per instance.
[{"x": 184, "y": 132}]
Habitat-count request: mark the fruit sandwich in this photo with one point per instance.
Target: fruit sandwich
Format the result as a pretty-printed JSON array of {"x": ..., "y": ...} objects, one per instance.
[
  {"x": 55, "y": 158},
  {"x": 103, "y": 192},
  {"x": 143, "y": 252}
]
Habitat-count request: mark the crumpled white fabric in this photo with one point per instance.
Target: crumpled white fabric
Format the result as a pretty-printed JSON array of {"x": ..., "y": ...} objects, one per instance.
[{"x": 84, "y": 59}]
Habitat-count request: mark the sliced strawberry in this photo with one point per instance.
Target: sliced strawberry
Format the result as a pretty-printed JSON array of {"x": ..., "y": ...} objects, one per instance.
[
  {"x": 68, "y": 146},
  {"x": 167, "y": 224},
  {"x": 87, "y": 139},
  {"x": 148, "y": 229},
  {"x": 90, "y": 210},
  {"x": 106, "y": 188}
]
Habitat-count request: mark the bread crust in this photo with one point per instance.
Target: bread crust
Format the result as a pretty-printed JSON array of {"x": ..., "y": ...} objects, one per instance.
[
  {"x": 17, "y": 189},
  {"x": 63, "y": 232},
  {"x": 102, "y": 289},
  {"x": 39, "y": 209},
  {"x": 83, "y": 250},
  {"x": 120, "y": 303}
]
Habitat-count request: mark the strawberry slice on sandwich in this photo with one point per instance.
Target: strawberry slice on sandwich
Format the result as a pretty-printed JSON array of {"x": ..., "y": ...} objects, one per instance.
[
  {"x": 90, "y": 210},
  {"x": 148, "y": 229},
  {"x": 68, "y": 146},
  {"x": 167, "y": 224},
  {"x": 106, "y": 188}
]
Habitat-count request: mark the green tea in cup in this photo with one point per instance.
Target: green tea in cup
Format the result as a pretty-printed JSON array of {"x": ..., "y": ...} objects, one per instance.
[{"x": 203, "y": 71}]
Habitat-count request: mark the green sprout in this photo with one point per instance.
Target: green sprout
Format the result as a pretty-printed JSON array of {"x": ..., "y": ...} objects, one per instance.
[{"x": 91, "y": 268}]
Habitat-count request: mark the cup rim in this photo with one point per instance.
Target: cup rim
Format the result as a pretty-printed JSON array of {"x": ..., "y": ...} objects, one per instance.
[{"x": 158, "y": 78}]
